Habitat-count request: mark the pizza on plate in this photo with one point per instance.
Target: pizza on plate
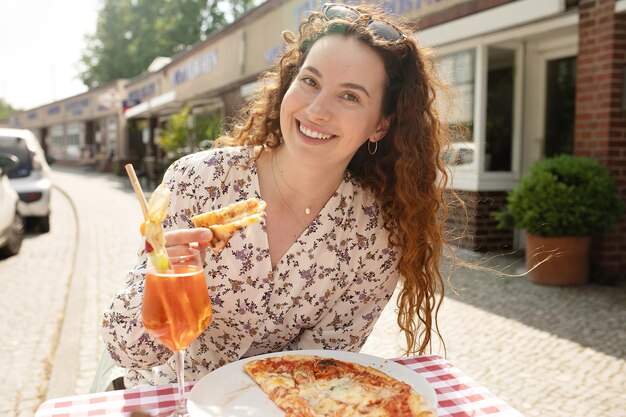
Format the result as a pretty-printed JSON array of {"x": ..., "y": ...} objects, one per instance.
[
  {"x": 312, "y": 386},
  {"x": 226, "y": 221}
]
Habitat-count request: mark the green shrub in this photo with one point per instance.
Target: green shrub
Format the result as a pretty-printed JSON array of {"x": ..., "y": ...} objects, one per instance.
[
  {"x": 176, "y": 136},
  {"x": 563, "y": 196}
]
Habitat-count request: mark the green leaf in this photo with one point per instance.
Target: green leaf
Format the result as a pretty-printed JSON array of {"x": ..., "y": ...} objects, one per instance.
[
  {"x": 564, "y": 196},
  {"x": 130, "y": 34}
]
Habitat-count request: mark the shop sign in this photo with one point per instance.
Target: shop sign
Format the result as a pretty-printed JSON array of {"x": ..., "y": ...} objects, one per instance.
[
  {"x": 413, "y": 8},
  {"x": 421, "y": 7},
  {"x": 76, "y": 107},
  {"x": 143, "y": 92},
  {"x": 195, "y": 68}
]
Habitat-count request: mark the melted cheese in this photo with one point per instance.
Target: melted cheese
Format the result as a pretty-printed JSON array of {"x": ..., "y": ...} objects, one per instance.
[
  {"x": 328, "y": 396},
  {"x": 280, "y": 381}
]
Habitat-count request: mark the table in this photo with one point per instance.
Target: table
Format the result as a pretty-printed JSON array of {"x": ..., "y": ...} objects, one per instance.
[{"x": 458, "y": 395}]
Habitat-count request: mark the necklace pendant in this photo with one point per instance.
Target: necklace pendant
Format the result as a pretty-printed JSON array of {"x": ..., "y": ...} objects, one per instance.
[{"x": 307, "y": 210}]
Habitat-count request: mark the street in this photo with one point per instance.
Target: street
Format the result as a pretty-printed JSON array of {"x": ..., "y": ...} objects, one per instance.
[
  {"x": 53, "y": 292},
  {"x": 546, "y": 351}
]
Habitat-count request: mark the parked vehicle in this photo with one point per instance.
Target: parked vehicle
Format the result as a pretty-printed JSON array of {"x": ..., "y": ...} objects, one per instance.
[
  {"x": 11, "y": 222},
  {"x": 31, "y": 177},
  {"x": 459, "y": 153}
]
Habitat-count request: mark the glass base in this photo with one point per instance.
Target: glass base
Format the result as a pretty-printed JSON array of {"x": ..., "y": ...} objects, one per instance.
[
  {"x": 180, "y": 412},
  {"x": 181, "y": 401}
]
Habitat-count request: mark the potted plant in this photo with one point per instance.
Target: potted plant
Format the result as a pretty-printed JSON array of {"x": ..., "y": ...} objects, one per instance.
[{"x": 561, "y": 204}]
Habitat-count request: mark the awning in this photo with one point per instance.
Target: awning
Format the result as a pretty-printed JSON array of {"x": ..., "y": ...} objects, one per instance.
[
  {"x": 154, "y": 106},
  {"x": 491, "y": 20}
]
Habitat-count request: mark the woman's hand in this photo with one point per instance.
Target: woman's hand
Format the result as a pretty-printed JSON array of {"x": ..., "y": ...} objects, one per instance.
[{"x": 198, "y": 238}]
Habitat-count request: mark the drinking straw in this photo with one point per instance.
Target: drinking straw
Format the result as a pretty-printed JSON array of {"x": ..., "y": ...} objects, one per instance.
[
  {"x": 161, "y": 291},
  {"x": 134, "y": 181}
]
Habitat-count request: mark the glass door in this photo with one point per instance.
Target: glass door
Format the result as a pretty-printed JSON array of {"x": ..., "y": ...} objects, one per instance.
[
  {"x": 549, "y": 100},
  {"x": 560, "y": 106}
]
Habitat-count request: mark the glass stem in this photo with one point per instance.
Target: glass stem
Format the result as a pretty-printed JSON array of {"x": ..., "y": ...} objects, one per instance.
[{"x": 181, "y": 404}]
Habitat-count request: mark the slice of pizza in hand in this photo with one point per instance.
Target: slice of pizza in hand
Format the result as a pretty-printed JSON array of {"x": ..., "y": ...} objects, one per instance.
[
  {"x": 312, "y": 386},
  {"x": 226, "y": 221}
]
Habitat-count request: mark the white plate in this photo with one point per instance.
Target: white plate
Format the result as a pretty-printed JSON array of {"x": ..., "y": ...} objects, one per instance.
[{"x": 230, "y": 392}]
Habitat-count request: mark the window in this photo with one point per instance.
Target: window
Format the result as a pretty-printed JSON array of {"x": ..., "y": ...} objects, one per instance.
[
  {"x": 17, "y": 146},
  {"x": 111, "y": 143},
  {"x": 73, "y": 138},
  {"x": 560, "y": 106},
  {"x": 500, "y": 105},
  {"x": 57, "y": 142},
  {"x": 458, "y": 70}
]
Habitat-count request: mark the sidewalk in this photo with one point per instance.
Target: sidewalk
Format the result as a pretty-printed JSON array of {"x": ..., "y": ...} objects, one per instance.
[{"x": 547, "y": 351}]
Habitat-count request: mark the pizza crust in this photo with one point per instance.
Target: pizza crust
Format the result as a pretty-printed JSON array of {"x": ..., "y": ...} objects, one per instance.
[
  {"x": 305, "y": 385},
  {"x": 226, "y": 221}
]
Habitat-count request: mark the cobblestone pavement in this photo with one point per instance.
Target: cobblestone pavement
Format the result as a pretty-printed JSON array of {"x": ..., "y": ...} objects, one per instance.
[
  {"x": 108, "y": 216},
  {"x": 546, "y": 351},
  {"x": 50, "y": 350},
  {"x": 33, "y": 286},
  {"x": 550, "y": 352}
]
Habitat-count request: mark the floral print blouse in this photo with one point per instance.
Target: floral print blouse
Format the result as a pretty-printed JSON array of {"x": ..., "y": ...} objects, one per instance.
[{"x": 325, "y": 293}]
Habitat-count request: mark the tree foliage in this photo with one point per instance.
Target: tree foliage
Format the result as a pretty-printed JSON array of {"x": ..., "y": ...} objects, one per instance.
[
  {"x": 5, "y": 111},
  {"x": 130, "y": 34},
  {"x": 563, "y": 196}
]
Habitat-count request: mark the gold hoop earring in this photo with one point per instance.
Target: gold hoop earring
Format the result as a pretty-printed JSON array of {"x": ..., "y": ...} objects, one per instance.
[{"x": 369, "y": 148}]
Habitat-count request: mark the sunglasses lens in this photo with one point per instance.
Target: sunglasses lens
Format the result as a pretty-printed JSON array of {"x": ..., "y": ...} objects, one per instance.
[
  {"x": 381, "y": 29},
  {"x": 341, "y": 12},
  {"x": 385, "y": 31}
]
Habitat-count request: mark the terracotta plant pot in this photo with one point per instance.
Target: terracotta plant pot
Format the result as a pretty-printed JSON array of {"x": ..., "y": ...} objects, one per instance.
[{"x": 557, "y": 260}]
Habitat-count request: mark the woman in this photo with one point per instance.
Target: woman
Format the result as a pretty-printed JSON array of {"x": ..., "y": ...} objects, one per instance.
[{"x": 343, "y": 143}]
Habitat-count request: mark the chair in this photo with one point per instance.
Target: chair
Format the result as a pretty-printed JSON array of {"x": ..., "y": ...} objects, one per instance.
[{"x": 108, "y": 376}]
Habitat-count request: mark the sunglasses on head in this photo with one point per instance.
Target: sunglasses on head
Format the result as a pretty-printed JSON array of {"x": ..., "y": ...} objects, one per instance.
[{"x": 380, "y": 29}]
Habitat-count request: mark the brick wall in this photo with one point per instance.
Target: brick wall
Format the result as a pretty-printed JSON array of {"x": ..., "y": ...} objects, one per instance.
[
  {"x": 600, "y": 117},
  {"x": 470, "y": 224}
]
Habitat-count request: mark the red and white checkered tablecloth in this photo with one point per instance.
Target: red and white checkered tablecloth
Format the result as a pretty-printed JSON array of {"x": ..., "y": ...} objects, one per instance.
[{"x": 457, "y": 394}]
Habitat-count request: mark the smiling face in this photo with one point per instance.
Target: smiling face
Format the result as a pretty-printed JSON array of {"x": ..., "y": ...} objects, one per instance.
[{"x": 334, "y": 104}]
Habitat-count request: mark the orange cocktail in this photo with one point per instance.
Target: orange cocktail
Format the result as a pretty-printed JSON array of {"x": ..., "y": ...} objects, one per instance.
[{"x": 176, "y": 305}]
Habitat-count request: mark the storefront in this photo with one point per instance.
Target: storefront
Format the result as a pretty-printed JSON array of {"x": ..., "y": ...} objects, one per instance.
[
  {"x": 512, "y": 69},
  {"x": 84, "y": 130},
  {"x": 531, "y": 79}
]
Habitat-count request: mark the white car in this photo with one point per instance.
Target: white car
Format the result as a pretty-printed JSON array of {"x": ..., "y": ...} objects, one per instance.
[
  {"x": 11, "y": 223},
  {"x": 459, "y": 153},
  {"x": 31, "y": 177}
]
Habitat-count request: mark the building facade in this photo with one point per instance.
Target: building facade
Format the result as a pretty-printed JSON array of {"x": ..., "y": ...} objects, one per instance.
[{"x": 532, "y": 79}]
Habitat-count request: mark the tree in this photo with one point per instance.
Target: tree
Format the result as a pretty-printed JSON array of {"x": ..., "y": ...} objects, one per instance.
[
  {"x": 5, "y": 111},
  {"x": 130, "y": 34}
]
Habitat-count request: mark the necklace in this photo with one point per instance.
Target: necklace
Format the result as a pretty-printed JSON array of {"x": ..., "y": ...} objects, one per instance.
[
  {"x": 307, "y": 209},
  {"x": 283, "y": 197}
]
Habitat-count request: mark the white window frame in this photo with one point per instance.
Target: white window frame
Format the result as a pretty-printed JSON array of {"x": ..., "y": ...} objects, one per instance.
[{"x": 473, "y": 177}]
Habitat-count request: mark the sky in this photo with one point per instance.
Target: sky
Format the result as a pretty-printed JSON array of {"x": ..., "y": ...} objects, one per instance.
[{"x": 41, "y": 42}]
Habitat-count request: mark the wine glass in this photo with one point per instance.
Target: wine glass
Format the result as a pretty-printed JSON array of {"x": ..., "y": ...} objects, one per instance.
[{"x": 177, "y": 308}]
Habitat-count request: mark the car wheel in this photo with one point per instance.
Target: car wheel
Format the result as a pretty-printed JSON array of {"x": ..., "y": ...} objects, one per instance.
[
  {"x": 16, "y": 236},
  {"x": 43, "y": 224}
]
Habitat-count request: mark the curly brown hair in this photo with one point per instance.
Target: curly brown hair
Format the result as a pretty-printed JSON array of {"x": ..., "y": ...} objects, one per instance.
[{"x": 407, "y": 174}]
